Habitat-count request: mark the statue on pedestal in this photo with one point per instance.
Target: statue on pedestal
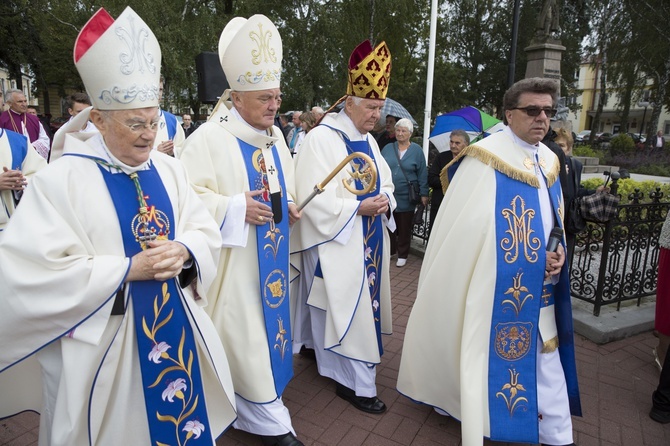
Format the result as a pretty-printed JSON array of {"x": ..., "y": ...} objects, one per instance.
[{"x": 547, "y": 21}]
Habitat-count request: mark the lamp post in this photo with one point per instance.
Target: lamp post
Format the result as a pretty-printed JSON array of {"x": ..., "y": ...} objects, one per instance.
[{"x": 644, "y": 104}]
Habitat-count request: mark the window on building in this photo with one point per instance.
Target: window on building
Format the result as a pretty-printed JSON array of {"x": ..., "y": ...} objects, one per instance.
[{"x": 666, "y": 128}]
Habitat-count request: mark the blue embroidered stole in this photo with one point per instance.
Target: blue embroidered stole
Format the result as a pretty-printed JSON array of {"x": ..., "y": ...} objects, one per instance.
[
  {"x": 520, "y": 260},
  {"x": 373, "y": 236},
  {"x": 170, "y": 123},
  {"x": 19, "y": 146},
  {"x": 273, "y": 264},
  {"x": 173, "y": 390}
]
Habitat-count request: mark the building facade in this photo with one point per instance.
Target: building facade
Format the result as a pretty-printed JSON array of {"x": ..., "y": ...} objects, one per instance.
[{"x": 589, "y": 93}]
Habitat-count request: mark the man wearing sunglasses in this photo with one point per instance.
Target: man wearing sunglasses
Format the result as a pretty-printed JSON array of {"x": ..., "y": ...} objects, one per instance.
[{"x": 495, "y": 350}]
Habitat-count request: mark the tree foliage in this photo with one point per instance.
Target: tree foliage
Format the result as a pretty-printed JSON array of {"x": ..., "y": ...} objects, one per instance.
[{"x": 471, "y": 61}]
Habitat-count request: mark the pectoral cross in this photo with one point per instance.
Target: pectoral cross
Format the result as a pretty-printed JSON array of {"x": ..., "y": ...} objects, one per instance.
[{"x": 546, "y": 296}]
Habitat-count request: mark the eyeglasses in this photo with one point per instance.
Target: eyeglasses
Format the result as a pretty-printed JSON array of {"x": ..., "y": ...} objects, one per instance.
[
  {"x": 535, "y": 111},
  {"x": 140, "y": 128}
]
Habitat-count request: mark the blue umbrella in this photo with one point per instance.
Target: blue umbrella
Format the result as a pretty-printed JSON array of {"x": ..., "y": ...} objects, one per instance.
[
  {"x": 474, "y": 121},
  {"x": 394, "y": 108}
]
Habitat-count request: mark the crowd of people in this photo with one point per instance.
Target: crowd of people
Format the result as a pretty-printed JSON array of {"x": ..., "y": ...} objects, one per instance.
[{"x": 156, "y": 278}]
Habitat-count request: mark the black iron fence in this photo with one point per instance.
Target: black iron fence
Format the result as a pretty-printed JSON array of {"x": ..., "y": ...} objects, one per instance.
[
  {"x": 617, "y": 261},
  {"x": 613, "y": 262}
]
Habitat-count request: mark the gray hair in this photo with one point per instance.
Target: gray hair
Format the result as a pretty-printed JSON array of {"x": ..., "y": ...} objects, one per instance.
[
  {"x": 406, "y": 124},
  {"x": 9, "y": 94},
  {"x": 463, "y": 134}
]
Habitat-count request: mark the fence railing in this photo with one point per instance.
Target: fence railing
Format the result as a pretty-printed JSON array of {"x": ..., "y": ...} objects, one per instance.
[
  {"x": 613, "y": 262},
  {"x": 617, "y": 261}
]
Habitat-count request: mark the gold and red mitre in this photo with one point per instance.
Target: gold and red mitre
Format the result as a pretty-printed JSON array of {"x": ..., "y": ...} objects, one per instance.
[{"x": 369, "y": 71}]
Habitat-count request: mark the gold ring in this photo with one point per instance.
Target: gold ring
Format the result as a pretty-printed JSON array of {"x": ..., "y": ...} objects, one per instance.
[{"x": 260, "y": 218}]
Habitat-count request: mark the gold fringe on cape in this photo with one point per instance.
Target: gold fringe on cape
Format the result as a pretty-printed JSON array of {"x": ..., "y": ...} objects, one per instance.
[{"x": 501, "y": 166}]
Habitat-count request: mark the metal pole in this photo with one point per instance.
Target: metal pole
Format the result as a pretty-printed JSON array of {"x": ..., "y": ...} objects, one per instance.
[
  {"x": 644, "y": 115},
  {"x": 512, "y": 51},
  {"x": 429, "y": 77}
]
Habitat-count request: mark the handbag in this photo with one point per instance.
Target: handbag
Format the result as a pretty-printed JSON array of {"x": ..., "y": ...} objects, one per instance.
[
  {"x": 418, "y": 214},
  {"x": 414, "y": 190},
  {"x": 575, "y": 222}
]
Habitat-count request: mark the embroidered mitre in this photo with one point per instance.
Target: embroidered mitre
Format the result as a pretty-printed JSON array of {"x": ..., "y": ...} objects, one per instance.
[
  {"x": 369, "y": 71},
  {"x": 119, "y": 61},
  {"x": 250, "y": 52}
]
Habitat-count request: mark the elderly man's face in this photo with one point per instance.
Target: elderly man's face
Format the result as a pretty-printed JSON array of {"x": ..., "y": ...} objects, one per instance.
[
  {"x": 131, "y": 147},
  {"x": 531, "y": 129},
  {"x": 296, "y": 118},
  {"x": 257, "y": 108},
  {"x": 364, "y": 115},
  {"x": 19, "y": 103},
  {"x": 456, "y": 144}
]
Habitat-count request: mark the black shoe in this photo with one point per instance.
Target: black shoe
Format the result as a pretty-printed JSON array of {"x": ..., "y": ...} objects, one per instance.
[
  {"x": 307, "y": 353},
  {"x": 287, "y": 439},
  {"x": 369, "y": 405},
  {"x": 659, "y": 416}
]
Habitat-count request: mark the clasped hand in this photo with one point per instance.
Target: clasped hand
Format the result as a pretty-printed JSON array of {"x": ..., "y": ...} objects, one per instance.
[
  {"x": 163, "y": 260},
  {"x": 12, "y": 179},
  {"x": 555, "y": 261},
  {"x": 371, "y": 206}
]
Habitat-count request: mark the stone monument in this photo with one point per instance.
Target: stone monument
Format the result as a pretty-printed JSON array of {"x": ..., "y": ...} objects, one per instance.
[{"x": 545, "y": 49}]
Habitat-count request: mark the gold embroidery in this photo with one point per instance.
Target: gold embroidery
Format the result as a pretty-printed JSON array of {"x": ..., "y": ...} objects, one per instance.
[
  {"x": 282, "y": 343},
  {"x": 519, "y": 233},
  {"x": 550, "y": 346},
  {"x": 528, "y": 163},
  {"x": 516, "y": 291},
  {"x": 178, "y": 388},
  {"x": 264, "y": 53},
  {"x": 513, "y": 340},
  {"x": 545, "y": 296},
  {"x": 276, "y": 237},
  {"x": 274, "y": 289},
  {"x": 514, "y": 388},
  {"x": 543, "y": 163}
]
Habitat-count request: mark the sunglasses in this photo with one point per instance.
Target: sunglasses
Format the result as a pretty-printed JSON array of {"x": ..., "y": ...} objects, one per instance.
[{"x": 535, "y": 111}]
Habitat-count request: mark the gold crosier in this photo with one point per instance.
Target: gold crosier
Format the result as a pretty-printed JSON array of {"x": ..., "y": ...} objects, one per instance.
[{"x": 365, "y": 173}]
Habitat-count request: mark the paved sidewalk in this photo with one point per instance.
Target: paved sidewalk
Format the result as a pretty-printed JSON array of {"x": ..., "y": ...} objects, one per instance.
[{"x": 616, "y": 382}]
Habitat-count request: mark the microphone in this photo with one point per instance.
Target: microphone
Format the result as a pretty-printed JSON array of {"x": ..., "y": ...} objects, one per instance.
[{"x": 555, "y": 237}]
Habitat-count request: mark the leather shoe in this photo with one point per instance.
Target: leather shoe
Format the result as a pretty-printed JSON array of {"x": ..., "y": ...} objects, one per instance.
[
  {"x": 660, "y": 416},
  {"x": 366, "y": 404},
  {"x": 287, "y": 439}
]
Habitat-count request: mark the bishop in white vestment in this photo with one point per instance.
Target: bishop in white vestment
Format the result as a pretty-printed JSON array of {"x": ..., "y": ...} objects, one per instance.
[{"x": 104, "y": 269}]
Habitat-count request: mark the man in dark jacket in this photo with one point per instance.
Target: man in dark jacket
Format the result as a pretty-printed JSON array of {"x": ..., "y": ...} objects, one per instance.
[{"x": 458, "y": 140}]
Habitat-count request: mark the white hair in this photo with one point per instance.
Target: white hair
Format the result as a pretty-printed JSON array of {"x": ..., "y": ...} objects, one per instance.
[
  {"x": 406, "y": 124},
  {"x": 9, "y": 94}
]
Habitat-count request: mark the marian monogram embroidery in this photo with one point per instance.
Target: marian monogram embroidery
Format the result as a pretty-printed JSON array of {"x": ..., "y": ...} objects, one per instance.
[
  {"x": 137, "y": 57},
  {"x": 520, "y": 236},
  {"x": 264, "y": 53}
]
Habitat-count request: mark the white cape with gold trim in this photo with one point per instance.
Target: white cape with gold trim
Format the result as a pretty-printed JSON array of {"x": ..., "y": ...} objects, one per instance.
[{"x": 445, "y": 358}]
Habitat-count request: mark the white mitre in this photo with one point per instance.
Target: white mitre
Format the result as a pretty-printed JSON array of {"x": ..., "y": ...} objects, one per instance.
[
  {"x": 119, "y": 61},
  {"x": 250, "y": 52}
]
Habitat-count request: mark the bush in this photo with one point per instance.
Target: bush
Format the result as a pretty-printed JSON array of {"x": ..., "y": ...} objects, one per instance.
[
  {"x": 622, "y": 144},
  {"x": 628, "y": 186},
  {"x": 588, "y": 151},
  {"x": 646, "y": 162}
]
